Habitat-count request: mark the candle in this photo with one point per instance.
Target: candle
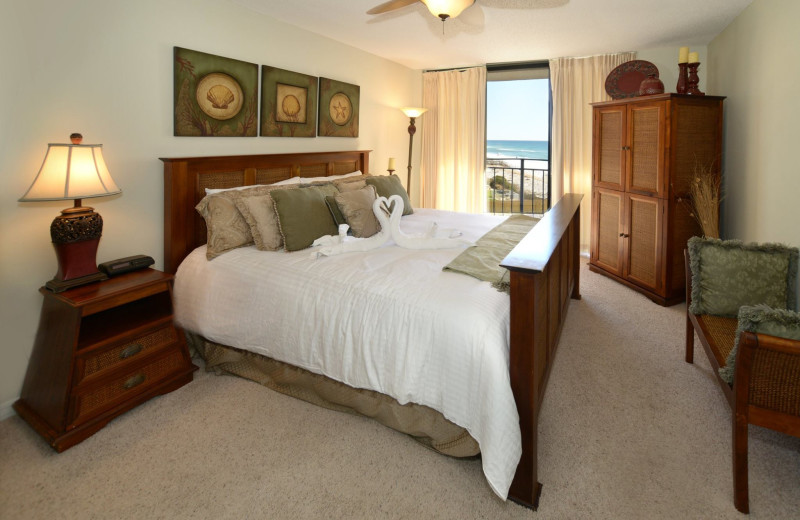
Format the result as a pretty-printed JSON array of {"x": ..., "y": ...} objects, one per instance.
[
  {"x": 391, "y": 164},
  {"x": 694, "y": 57},
  {"x": 683, "y": 55}
]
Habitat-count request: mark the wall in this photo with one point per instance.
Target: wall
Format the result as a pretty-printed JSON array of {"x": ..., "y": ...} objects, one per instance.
[
  {"x": 754, "y": 62},
  {"x": 104, "y": 68}
]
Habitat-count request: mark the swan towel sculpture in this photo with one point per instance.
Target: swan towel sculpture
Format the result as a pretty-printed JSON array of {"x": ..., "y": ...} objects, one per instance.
[{"x": 434, "y": 238}]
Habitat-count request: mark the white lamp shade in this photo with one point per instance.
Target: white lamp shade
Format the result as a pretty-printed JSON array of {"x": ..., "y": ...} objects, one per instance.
[
  {"x": 72, "y": 171},
  {"x": 449, "y": 8},
  {"x": 413, "y": 111}
]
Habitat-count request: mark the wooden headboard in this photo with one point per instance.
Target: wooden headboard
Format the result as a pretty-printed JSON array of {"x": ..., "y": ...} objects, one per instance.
[{"x": 186, "y": 179}]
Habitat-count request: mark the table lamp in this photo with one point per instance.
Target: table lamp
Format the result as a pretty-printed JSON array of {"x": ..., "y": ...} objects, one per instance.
[
  {"x": 413, "y": 113},
  {"x": 73, "y": 172}
]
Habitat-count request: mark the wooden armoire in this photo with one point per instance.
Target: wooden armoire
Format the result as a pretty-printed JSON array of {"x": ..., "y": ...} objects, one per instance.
[{"x": 644, "y": 156}]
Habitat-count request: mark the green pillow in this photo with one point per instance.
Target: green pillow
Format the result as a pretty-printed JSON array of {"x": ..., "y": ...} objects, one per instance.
[
  {"x": 303, "y": 215},
  {"x": 727, "y": 274},
  {"x": 388, "y": 185},
  {"x": 761, "y": 320},
  {"x": 336, "y": 213}
]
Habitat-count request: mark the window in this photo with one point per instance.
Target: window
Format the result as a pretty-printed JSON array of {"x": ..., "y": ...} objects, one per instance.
[{"x": 518, "y": 115}]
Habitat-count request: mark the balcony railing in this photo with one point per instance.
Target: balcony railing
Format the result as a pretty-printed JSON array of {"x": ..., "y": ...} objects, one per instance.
[{"x": 517, "y": 185}]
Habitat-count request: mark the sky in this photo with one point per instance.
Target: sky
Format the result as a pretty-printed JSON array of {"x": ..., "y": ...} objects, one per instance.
[{"x": 517, "y": 110}]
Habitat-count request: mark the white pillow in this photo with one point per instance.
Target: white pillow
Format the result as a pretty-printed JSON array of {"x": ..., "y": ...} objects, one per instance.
[
  {"x": 308, "y": 180},
  {"x": 293, "y": 180}
]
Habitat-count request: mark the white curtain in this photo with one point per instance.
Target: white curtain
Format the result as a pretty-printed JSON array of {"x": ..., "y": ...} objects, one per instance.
[
  {"x": 454, "y": 140},
  {"x": 576, "y": 82}
]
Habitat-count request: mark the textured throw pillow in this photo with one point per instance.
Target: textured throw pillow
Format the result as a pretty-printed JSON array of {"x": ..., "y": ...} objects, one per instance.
[
  {"x": 303, "y": 215},
  {"x": 350, "y": 184},
  {"x": 729, "y": 274},
  {"x": 388, "y": 185},
  {"x": 258, "y": 211},
  {"x": 356, "y": 207},
  {"x": 761, "y": 319},
  {"x": 226, "y": 228}
]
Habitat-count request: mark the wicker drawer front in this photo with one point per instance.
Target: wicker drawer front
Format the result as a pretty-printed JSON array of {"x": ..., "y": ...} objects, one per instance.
[
  {"x": 115, "y": 356},
  {"x": 127, "y": 385}
]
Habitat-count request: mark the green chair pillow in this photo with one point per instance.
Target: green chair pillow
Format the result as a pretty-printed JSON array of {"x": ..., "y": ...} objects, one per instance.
[
  {"x": 388, "y": 185},
  {"x": 303, "y": 215},
  {"x": 727, "y": 274},
  {"x": 762, "y": 320}
]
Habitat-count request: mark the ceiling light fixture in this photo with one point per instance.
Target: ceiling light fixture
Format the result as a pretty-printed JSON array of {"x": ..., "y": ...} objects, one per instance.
[{"x": 445, "y": 9}]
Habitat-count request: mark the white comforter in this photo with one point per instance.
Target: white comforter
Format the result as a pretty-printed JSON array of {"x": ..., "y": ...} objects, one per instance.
[{"x": 388, "y": 320}]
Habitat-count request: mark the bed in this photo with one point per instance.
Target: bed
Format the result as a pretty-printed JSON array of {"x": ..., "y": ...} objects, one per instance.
[{"x": 543, "y": 277}]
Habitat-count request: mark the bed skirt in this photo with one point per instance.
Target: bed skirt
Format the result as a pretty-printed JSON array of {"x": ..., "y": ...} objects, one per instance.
[{"x": 423, "y": 424}]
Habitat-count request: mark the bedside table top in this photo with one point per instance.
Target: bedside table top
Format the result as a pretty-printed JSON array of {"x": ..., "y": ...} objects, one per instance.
[{"x": 112, "y": 288}]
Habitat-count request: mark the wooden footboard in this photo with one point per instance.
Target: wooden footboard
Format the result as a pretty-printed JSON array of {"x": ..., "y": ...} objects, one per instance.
[{"x": 544, "y": 276}]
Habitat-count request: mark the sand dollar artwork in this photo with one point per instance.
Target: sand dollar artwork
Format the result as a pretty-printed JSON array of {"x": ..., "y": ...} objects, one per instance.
[
  {"x": 340, "y": 108},
  {"x": 219, "y": 96}
]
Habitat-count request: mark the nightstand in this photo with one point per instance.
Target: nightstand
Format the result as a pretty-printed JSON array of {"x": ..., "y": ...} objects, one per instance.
[{"x": 102, "y": 349}]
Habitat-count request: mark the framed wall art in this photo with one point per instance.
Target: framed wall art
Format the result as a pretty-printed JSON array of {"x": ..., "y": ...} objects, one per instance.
[
  {"x": 214, "y": 96},
  {"x": 288, "y": 103},
  {"x": 338, "y": 108}
]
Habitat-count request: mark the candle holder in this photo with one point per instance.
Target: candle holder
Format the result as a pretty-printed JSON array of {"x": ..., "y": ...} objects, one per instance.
[
  {"x": 693, "y": 80},
  {"x": 391, "y": 172},
  {"x": 683, "y": 78}
]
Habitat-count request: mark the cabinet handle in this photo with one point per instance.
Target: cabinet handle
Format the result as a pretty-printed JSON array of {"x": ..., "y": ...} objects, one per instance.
[
  {"x": 626, "y": 147},
  {"x": 624, "y": 235},
  {"x": 130, "y": 351},
  {"x": 136, "y": 380}
]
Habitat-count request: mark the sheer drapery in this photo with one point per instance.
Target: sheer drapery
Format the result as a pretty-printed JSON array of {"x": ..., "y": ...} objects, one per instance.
[
  {"x": 454, "y": 140},
  {"x": 576, "y": 82}
]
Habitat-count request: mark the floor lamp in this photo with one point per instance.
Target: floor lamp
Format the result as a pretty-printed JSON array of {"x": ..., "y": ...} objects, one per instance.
[{"x": 413, "y": 113}]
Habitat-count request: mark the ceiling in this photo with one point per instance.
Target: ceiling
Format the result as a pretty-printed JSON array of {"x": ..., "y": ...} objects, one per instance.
[{"x": 502, "y": 31}]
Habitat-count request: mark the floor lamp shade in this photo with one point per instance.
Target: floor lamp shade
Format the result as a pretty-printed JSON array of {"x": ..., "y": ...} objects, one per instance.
[{"x": 73, "y": 172}]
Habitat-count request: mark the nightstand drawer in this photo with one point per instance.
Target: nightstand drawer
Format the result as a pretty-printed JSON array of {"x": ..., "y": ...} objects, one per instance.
[
  {"x": 96, "y": 363},
  {"x": 127, "y": 385}
]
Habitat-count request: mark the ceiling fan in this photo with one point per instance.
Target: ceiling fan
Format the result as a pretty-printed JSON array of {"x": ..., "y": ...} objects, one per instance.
[{"x": 444, "y": 9}]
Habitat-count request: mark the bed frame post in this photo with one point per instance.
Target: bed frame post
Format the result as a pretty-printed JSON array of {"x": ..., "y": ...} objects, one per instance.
[{"x": 544, "y": 276}]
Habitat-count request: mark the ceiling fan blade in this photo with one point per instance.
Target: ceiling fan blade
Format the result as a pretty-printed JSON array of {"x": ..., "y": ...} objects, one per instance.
[{"x": 391, "y": 5}]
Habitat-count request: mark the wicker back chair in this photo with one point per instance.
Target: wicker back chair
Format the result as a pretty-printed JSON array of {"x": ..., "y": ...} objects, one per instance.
[{"x": 766, "y": 373}]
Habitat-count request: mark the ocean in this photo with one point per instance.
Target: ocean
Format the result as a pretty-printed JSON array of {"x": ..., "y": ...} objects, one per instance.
[{"x": 525, "y": 149}]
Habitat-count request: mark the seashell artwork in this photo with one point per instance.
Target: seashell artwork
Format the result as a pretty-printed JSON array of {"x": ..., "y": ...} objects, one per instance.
[
  {"x": 290, "y": 103},
  {"x": 220, "y": 96},
  {"x": 214, "y": 96}
]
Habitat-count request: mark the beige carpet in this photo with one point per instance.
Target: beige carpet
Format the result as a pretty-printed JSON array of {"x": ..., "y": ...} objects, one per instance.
[{"x": 628, "y": 431}]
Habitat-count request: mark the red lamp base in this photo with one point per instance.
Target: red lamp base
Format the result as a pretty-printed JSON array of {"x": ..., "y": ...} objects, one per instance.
[
  {"x": 76, "y": 235},
  {"x": 76, "y": 265}
]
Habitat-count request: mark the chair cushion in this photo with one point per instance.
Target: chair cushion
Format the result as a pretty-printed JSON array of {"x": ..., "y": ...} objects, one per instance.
[
  {"x": 761, "y": 319},
  {"x": 727, "y": 274}
]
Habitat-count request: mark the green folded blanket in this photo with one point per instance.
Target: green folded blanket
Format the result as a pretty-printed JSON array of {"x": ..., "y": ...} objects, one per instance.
[{"x": 482, "y": 261}]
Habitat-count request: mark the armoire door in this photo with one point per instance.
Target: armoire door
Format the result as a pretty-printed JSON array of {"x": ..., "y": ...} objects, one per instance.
[
  {"x": 609, "y": 147},
  {"x": 646, "y": 140},
  {"x": 608, "y": 210},
  {"x": 643, "y": 241}
]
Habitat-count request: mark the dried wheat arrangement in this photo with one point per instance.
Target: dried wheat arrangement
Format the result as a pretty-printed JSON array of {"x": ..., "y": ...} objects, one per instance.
[{"x": 705, "y": 198}]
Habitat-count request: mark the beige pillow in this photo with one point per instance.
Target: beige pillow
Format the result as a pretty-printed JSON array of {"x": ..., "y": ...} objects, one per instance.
[
  {"x": 350, "y": 184},
  {"x": 356, "y": 207},
  {"x": 258, "y": 211}
]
